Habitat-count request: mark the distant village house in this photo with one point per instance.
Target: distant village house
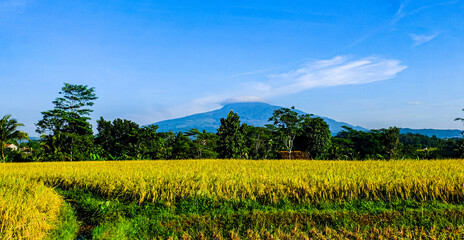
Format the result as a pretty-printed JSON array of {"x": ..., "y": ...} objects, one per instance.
[{"x": 12, "y": 147}]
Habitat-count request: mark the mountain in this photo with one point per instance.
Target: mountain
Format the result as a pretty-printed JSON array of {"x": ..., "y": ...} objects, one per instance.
[
  {"x": 258, "y": 113},
  {"x": 252, "y": 113},
  {"x": 439, "y": 133}
]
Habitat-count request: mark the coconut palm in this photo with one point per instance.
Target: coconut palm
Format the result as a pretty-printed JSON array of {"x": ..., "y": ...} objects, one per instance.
[{"x": 9, "y": 132}]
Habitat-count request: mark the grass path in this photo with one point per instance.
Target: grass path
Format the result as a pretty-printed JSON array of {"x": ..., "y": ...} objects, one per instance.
[{"x": 104, "y": 218}]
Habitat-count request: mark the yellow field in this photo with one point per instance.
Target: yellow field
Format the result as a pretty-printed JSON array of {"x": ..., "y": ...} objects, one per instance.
[
  {"x": 28, "y": 208},
  {"x": 265, "y": 181}
]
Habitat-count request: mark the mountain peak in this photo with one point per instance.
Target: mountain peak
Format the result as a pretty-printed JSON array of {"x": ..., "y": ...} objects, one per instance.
[
  {"x": 251, "y": 113},
  {"x": 258, "y": 114}
]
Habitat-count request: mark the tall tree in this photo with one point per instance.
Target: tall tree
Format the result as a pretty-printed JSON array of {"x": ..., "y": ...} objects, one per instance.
[
  {"x": 67, "y": 127},
  {"x": 204, "y": 143},
  {"x": 390, "y": 139},
  {"x": 231, "y": 140},
  {"x": 287, "y": 123},
  {"x": 260, "y": 142},
  {"x": 149, "y": 142},
  {"x": 341, "y": 149},
  {"x": 314, "y": 137},
  {"x": 9, "y": 132},
  {"x": 117, "y": 138},
  {"x": 460, "y": 119},
  {"x": 182, "y": 147},
  {"x": 460, "y": 143},
  {"x": 374, "y": 144}
]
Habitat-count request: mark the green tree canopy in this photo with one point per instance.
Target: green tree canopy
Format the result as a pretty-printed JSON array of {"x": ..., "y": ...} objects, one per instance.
[
  {"x": 390, "y": 140},
  {"x": 9, "y": 132},
  {"x": 117, "y": 138},
  {"x": 231, "y": 140},
  {"x": 374, "y": 144},
  {"x": 67, "y": 130},
  {"x": 260, "y": 142},
  {"x": 460, "y": 119},
  {"x": 314, "y": 136},
  {"x": 182, "y": 147},
  {"x": 288, "y": 124},
  {"x": 204, "y": 143}
]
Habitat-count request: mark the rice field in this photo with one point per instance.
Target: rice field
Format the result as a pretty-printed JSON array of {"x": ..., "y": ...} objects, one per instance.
[
  {"x": 264, "y": 181},
  {"x": 29, "y": 205},
  {"x": 28, "y": 209}
]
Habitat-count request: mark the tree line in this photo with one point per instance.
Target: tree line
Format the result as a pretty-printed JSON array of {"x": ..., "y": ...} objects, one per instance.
[{"x": 67, "y": 135}]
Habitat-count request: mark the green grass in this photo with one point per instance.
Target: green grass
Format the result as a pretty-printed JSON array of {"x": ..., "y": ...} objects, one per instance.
[
  {"x": 68, "y": 226},
  {"x": 103, "y": 218}
]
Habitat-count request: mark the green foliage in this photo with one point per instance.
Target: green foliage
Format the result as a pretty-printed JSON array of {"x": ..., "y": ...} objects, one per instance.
[
  {"x": 204, "y": 143},
  {"x": 68, "y": 226},
  {"x": 411, "y": 144},
  {"x": 260, "y": 142},
  {"x": 107, "y": 218},
  {"x": 231, "y": 139},
  {"x": 366, "y": 145},
  {"x": 390, "y": 141},
  {"x": 460, "y": 119},
  {"x": 390, "y": 144},
  {"x": 375, "y": 144},
  {"x": 94, "y": 157},
  {"x": 123, "y": 139},
  {"x": 450, "y": 148},
  {"x": 287, "y": 123},
  {"x": 117, "y": 138},
  {"x": 182, "y": 147},
  {"x": 418, "y": 146},
  {"x": 67, "y": 136},
  {"x": 9, "y": 133},
  {"x": 341, "y": 149},
  {"x": 67, "y": 132},
  {"x": 314, "y": 137},
  {"x": 149, "y": 143},
  {"x": 301, "y": 132}
]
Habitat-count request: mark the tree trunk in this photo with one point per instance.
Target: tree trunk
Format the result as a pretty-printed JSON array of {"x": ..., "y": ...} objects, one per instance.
[
  {"x": 72, "y": 145},
  {"x": 3, "y": 156}
]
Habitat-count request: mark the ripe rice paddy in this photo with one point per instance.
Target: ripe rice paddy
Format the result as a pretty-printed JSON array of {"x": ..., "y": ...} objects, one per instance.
[{"x": 235, "y": 199}]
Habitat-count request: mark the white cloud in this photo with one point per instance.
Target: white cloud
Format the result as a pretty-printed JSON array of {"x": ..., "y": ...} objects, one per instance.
[
  {"x": 240, "y": 99},
  {"x": 337, "y": 71},
  {"x": 421, "y": 39}
]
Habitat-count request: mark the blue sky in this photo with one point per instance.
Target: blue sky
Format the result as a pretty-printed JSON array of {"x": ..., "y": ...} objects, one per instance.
[{"x": 369, "y": 63}]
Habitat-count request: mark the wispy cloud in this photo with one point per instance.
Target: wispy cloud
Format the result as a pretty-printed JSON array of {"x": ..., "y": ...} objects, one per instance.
[
  {"x": 243, "y": 99},
  {"x": 404, "y": 10},
  {"x": 436, "y": 4},
  {"x": 338, "y": 71},
  {"x": 420, "y": 39}
]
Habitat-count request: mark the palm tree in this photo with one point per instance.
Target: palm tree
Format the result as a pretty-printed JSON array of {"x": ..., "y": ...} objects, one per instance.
[
  {"x": 9, "y": 132},
  {"x": 460, "y": 119}
]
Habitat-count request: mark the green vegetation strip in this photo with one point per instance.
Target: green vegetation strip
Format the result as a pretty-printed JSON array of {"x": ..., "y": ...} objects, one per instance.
[
  {"x": 68, "y": 226},
  {"x": 105, "y": 218}
]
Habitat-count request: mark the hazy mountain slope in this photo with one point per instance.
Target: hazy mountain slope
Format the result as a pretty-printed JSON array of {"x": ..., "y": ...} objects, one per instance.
[
  {"x": 257, "y": 114},
  {"x": 254, "y": 113},
  {"x": 439, "y": 133}
]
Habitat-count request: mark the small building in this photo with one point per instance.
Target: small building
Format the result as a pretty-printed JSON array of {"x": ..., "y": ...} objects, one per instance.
[
  {"x": 293, "y": 155},
  {"x": 12, "y": 147}
]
